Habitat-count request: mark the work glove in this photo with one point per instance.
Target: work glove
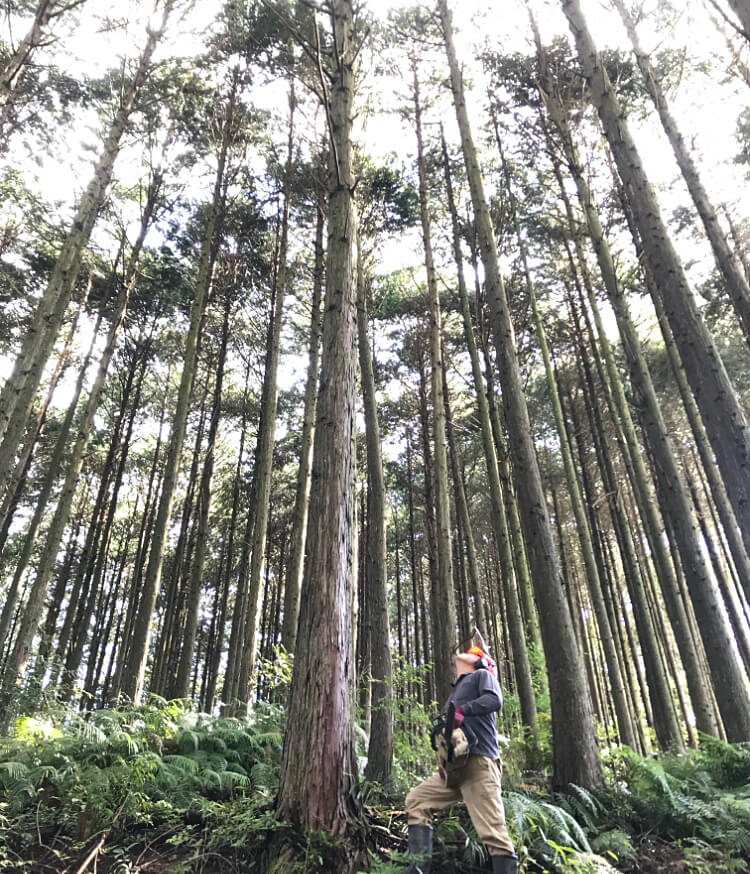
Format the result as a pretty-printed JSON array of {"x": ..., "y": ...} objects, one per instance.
[{"x": 459, "y": 717}]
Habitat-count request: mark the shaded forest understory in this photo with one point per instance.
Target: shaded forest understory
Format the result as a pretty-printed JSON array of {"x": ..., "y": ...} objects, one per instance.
[
  {"x": 331, "y": 332},
  {"x": 162, "y": 789}
]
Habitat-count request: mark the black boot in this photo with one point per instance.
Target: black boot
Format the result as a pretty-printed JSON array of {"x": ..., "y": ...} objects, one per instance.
[
  {"x": 505, "y": 864},
  {"x": 420, "y": 845}
]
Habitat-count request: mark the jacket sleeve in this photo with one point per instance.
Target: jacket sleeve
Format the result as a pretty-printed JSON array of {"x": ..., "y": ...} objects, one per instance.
[{"x": 489, "y": 698}]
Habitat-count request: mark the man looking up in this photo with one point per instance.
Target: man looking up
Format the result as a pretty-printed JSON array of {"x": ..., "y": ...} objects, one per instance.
[{"x": 476, "y": 697}]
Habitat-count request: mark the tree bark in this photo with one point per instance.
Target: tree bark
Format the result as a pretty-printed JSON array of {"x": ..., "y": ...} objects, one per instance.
[
  {"x": 318, "y": 769},
  {"x": 380, "y": 748},
  {"x": 302, "y": 496},
  {"x": 720, "y": 409},
  {"x": 575, "y": 747},
  {"x": 443, "y": 594}
]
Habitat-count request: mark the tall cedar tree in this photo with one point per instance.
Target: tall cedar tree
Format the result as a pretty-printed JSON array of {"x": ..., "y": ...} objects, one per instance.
[
  {"x": 318, "y": 768},
  {"x": 575, "y": 747}
]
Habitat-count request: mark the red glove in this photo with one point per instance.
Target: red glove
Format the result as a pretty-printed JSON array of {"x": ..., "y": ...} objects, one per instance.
[{"x": 458, "y": 717}]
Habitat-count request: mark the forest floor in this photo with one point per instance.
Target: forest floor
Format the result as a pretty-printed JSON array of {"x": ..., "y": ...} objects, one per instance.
[{"x": 158, "y": 789}]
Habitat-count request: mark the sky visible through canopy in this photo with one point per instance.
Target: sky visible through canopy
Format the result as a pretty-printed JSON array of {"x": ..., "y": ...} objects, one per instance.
[{"x": 706, "y": 107}]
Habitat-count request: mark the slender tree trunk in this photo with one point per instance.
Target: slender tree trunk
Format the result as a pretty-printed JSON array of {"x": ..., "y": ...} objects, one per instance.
[
  {"x": 593, "y": 581},
  {"x": 665, "y": 722},
  {"x": 419, "y": 646},
  {"x": 625, "y": 429},
  {"x": 144, "y": 537},
  {"x": 718, "y": 491},
  {"x": 95, "y": 583},
  {"x": 736, "y": 283},
  {"x": 499, "y": 520},
  {"x": 15, "y": 67},
  {"x": 133, "y": 669},
  {"x": 302, "y": 495},
  {"x": 720, "y": 409},
  {"x": 50, "y": 476},
  {"x": 464, "y": 522},
  {"x": 18, "y": 393},
  {"x": 266, "y": 433},
  {"x": 18, "y": 477},
  {"x": 27, "y": 630},
  {"x": 728, "y": 679},
  {"x": 204, "y": 501},
  {"x": 443, "y": 595},
  {"x": 218, "y": 641},
  {"x": 575, "y": 747},
  {"x": 380, "y": 748}
]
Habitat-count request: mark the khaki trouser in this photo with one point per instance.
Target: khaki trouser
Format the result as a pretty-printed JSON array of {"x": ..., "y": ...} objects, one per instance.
[{"x": 479, "y": 787}]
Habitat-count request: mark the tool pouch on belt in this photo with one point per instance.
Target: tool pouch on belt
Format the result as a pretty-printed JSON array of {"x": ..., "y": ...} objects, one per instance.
[{"x": 451, "y": 747}]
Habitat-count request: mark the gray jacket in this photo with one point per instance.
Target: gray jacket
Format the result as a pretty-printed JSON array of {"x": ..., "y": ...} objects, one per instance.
[{"x": 478, "y": 693}]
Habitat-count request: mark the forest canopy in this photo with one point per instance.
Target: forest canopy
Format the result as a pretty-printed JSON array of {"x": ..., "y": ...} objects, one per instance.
[{"x": 335, "y": 335}]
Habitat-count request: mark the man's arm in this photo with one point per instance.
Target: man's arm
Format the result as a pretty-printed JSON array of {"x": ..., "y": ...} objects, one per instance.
[{"x": 490, "y": 697}]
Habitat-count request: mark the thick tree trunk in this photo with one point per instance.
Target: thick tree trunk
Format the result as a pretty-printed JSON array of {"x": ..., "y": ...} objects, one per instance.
[
  {"x": 575, "y": 747},
  {"x": 302, "y": 496},
  {"x": 380, "y": 749},
  {"x": 720, "y": 409},
  {"x": 741, "y": 9},
  {"x": 318, "y": 769},
  {"x": 443, "y": 594}
]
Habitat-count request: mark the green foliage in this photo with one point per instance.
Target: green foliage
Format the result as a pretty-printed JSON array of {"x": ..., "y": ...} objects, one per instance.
[
  {"x": 197, "y": 785},
  {"x": 701, "y": 796},
  {"x": 413, "y": 757},
  {"x": 155, "y": 766}
]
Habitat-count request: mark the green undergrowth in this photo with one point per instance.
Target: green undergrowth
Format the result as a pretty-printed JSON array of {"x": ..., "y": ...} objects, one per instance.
[{"x": 161, "y": 788}]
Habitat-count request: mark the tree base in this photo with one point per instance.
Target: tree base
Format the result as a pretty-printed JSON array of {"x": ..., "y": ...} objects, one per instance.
[{"x": 289, "y": 852}]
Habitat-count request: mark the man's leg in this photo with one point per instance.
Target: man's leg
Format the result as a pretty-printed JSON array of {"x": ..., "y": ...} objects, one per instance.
[
  {"x": 480, "y": 789},
  {"x": 430, "y": 795}
]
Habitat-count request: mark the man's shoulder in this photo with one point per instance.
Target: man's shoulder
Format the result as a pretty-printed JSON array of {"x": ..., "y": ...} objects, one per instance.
[{"x": 484, "y": 680}]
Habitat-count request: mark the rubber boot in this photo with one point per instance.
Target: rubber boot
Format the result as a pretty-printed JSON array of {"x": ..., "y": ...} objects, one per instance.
[
  {"x": 505, "y": 864},
  {"x": 420, "y": 845}
]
